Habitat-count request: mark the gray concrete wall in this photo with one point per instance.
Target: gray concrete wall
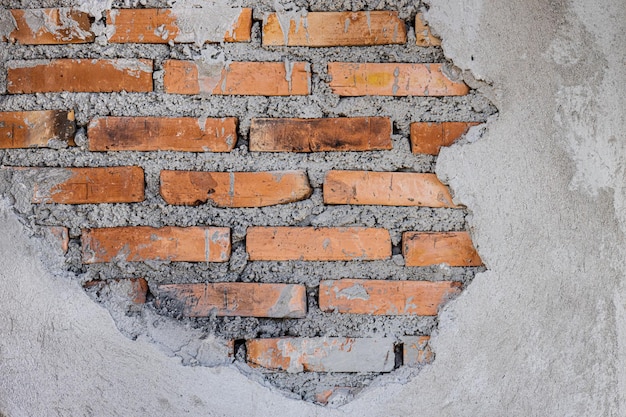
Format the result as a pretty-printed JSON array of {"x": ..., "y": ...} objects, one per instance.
[{"x": 542, "y": 333}]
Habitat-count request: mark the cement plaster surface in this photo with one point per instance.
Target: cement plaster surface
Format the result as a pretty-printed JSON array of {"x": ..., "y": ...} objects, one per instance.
[{"x": 542, "y": 333}]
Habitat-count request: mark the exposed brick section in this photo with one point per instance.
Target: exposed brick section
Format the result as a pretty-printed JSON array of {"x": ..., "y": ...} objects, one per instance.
[
  {"x": 185, "y": 134},
  {"x": 432, "y": 248},
  {"x": 390, "y": 298},
  {"x": 61, "y": 235},
  {"x": 337, "y": 29},
  {"x": 36, "y": 129},
  {"x": 385, "y": 188},
  {"x": 423, "y": 35},
  {"x": 135, "y": 289},
  {"x": 234, "y": 189},
  {"x": 323, "y": 354},
  {"x": 312, "y": 244},
  {"x": 79, "y": 75},
  {"x": 141, "y": 243},
  {"x": 51, "y": 26},
  {"x": 238, "y": 78},
  {"x": 429, "y": 137},
  {"x": 319, "y": 135},
  {"x": 391, "y": 79},
  {"x": 235, "y": 299},
  {"x": 416, "y": 351},
  {"x": 162, "y": 26}
]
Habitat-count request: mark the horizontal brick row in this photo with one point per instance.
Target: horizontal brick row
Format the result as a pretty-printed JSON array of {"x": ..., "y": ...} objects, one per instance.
[{"x": 36, "y": 129}]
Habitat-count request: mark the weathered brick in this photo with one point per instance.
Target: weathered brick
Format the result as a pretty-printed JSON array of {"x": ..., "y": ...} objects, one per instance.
[
  {"x": 50, "y": 26},
  {"x": 133, "y": 289},
  {"x": 336, "y": 29},
  {"x": 319, "y": 135},
  {"x": 234, "y": 189},
  {"x": 82, "y": 185},
  {"x": 184, "y": 134},
  {"x": 416, "y": 350},
  {"x": 392, "y": 79},
  {"x": 322, "y": 354},
  {"x": 432, "y": 248},
  {"x": 61, "y": 235},
  {"x": 428, "y": 138},
  {"x": 164, "y": 25},
  {"x": 79, "y": 75},
  {"x": 389, "y": 298},
  {"x": 317, "y": 244},
  {"x": 238, "y": 78},
  {"x": 423, "y": 35},
  {"x": 386, "y": 188},
  {"x": 336, "y": 396},
  {"x": 235, "y": 299},
  {"x": 36, "y": 129},
  {"x": 142, "y": 243}
]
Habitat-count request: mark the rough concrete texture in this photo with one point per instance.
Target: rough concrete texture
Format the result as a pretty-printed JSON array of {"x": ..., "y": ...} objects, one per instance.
[{"x": 542, "y": 333}]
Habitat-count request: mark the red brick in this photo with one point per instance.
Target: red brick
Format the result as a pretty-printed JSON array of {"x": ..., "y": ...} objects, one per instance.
[
  {"x": 36, "y": 129},
  {"x": 432, "y": 248},
  {"x": 386, "y": 188},
  {"x": 184, "y": 134},
  {"x": 235, "y": 299},
  {"x": 416, "y": 350},
  {"x": 318, "y": 135},
  {"x": 389, "y": 298},
  {"x": 423, "y": 35},
  {"x": 234, "y": 189},
  {"x": 392, "y": 79},
  {"x": 51, "y": 26},
  {"x": 79, "y": 75},
  {"x": 238, "y": 78},
  {"x": 317, "y": 244},
  {"x": 429, "y": 137},
  {"x": 134, "y": 289},
  {"x": 162, "y": 26},
  {"x": 336, "y": 29},
  {"x": 61, "y": 235},
  {"x": 322, "y": 354},
  {"x": 142, "y": 243}
]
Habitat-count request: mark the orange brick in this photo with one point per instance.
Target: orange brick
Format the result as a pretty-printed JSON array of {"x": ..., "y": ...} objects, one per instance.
[
  {"x": 79, "y": 75},
  {"x": 184, "y": 134},
  {"x": 416, "y": 350},
  {"x": 234, "y": 189},
  {"x": 322, "y": 354},
  {"x": 432, "y": 248},
  {"x": 36, "y": 129},
  {"x": 61, "y": 234},
  {"x": 235, "y": 299},
  {"x": 312, "y": 244},
  {"x": 142, "y": 243},
  {"x": 429, "y": 137},
  {"x": 391, "y": 79},
  {"x": 51, "y": 26},
  {"x": 385, "y": 298},
  {"x": 319, "y": 135},
  {"x": 135, "y": 289},
  {"x": 163, "y": 26},
  {"x": 336, "y": 29},
  {"x": 238, "y": 78},
  {"x": 423, "y": 35},
  {"x": 386, "y": 188}
]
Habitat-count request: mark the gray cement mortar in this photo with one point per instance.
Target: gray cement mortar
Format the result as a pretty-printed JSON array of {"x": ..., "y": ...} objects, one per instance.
[{"x": 136, "y": 323}]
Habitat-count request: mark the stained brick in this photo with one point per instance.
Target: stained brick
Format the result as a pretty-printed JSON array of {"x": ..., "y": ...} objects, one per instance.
[
  {"x": 185, "y": 134},
  {"x": 79, "y": 75},
  {"x": 313, "y": 244},
  {"x": 423, "y": 35},
  {"x": 36, "y": 129},
  {"x": 234, "y": 189},
  {"x": 133, "y": 289},
  {"x": 163, "y": 26},
  {"x": 390, "y": 298},
  {"x": 392, "y": 79},
  {"x": 235, "y": 299},
  {"x": 238, "y": 78},
  {"x": 323, "y": 354},
  {"x": 50, "y": 26},
  {"x": 141, "y": 243},
  {"x": 416, "y": 350},
  {"x": 336, "y": 29},
  {"x": 61, "y": 236},
  {"x": 429, "y": 137},
  {"x": 386, "y": 188},
  {"x": 317, "y": 135},
  {"x": 432, "y": 248}
]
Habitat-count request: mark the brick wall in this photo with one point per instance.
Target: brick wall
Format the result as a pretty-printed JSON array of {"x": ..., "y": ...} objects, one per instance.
[{"x": 269, "y": 181}]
